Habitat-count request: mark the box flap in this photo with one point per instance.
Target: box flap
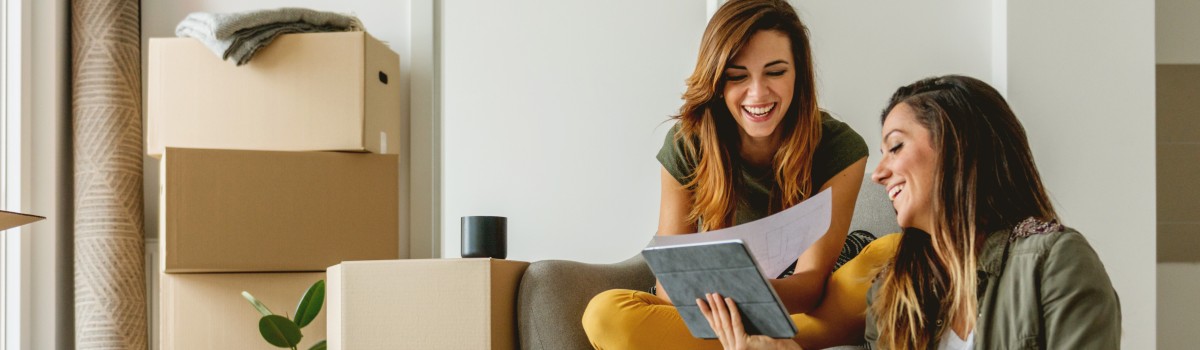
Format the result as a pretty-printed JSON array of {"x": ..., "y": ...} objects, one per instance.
[{"x": 10, "y": 219}]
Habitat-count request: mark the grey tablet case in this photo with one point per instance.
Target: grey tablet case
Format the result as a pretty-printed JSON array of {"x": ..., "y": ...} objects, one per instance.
[{"x": 689, "y": 271}]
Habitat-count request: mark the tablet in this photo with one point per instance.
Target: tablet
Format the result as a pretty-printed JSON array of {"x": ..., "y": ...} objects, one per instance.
[{"x": 689, "y": 271}]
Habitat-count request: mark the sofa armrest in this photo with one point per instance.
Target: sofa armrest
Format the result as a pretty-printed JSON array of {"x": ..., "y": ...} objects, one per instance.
[{"x": 554, "y": 293}]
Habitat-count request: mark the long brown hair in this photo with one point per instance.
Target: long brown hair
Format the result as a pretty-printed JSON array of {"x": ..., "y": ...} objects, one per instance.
[
  {"x": 710, "y": 133},
  {"x": 988, "y": 181}
]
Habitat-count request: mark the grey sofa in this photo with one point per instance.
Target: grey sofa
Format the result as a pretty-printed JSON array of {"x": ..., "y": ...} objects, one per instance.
[{"x": 554, "y": 293}]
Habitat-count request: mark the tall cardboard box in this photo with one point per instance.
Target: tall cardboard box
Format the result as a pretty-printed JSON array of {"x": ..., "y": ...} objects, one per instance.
[
  {"x": 207, "y": 311},
  {"x": 262, "y": 211},
  {"x": 303, "y": 92},
  {"x": 423, "y": 304}
]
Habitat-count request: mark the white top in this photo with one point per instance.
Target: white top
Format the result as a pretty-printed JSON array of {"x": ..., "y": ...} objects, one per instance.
[{"x": 951, "y": 341}]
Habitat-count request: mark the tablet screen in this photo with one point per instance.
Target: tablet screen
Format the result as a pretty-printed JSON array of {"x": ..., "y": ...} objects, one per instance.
[{"x": 689, "y": 271}]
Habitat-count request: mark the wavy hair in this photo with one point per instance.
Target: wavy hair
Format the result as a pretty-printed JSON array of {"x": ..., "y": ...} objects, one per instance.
[
  {"x": 709, "y": 132},
  {"x": 988, "y": 181}
]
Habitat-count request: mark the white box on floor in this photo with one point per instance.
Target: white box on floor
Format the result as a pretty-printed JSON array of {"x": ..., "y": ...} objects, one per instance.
[
  {"x": 207, "y": 311},
  {"x": 303, "y": 92},
  {"x": 424, "y": 304}
]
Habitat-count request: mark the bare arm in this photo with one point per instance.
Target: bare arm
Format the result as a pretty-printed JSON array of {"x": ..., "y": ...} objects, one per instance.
[
  {"x": 673, "y": 209},
  {"x": 803, "y": 291}
]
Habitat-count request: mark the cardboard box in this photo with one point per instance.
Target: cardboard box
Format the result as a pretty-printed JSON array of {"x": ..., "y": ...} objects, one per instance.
[
  {"x": 424, "y": 304},
  {"x": 207, "y": 311},
  {"x": 303, "y": 92},
  {"x": 262, "y": 211}
]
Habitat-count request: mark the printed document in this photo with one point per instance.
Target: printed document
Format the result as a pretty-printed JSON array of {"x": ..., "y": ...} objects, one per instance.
[{"x": 776, "y": 241}]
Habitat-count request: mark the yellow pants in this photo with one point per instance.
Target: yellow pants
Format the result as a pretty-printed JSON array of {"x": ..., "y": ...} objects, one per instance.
[{"x": 627, "y": 319}]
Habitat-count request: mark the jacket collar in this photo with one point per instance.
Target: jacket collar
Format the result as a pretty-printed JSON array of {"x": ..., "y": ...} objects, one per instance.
[
  {"x": 997, "y": 244},
  {"x": 992, "y": 256}
]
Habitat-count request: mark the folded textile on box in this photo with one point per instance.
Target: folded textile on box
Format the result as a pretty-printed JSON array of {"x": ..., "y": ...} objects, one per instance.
[{"x": 237, "y": 36}]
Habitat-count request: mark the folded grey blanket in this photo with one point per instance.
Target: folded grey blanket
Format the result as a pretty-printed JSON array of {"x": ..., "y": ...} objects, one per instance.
[{"x": 238, "y": 36}]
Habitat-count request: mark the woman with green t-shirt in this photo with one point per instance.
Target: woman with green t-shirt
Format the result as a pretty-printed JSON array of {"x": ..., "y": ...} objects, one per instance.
[{"x": 749, "y": 141}]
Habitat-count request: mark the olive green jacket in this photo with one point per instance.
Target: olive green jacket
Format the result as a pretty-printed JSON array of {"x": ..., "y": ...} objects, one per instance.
[{"x": 1042, "y": 291}]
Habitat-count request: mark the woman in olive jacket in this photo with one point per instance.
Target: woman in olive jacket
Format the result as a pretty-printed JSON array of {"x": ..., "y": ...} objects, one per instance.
[{"x": 983, "y": 261}]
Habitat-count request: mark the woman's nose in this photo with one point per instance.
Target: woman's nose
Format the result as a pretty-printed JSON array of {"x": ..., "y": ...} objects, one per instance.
[
  {"x": 758, "y": 87},
  {"x": 881, "y": 173}
]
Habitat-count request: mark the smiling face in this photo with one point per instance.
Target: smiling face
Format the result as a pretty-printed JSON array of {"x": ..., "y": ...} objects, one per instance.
[
  {"x": 759, "y": 82},
  {"x": 908, "y": 167}
]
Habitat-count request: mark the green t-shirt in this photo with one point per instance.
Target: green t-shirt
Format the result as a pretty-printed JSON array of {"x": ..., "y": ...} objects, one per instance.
[{"x": 840, "y": 147}]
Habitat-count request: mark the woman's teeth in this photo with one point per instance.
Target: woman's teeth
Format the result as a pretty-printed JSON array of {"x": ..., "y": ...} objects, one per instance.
[
  {"x": 760, "y": 111},
  {"x": 895, "y": 192}
]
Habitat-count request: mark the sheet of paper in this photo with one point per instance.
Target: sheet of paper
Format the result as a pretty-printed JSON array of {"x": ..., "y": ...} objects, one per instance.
[{"x": 775, "y": 241}]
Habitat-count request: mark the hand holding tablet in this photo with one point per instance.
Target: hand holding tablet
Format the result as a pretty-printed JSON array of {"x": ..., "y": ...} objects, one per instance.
[{"x": 691, "y": 271}]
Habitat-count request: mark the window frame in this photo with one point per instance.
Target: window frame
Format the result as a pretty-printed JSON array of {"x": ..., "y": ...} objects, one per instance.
[{"x": 15, "y": 245}]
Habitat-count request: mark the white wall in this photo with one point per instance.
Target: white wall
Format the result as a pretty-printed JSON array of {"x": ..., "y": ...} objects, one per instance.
[
  {"x": 561, "y": 137},
  {"x": 552, "y": 113},
  {"x": 1177, "y": 28},
  {"x": 864, "y": 51},
  {"x": 1081, "y": 78}
]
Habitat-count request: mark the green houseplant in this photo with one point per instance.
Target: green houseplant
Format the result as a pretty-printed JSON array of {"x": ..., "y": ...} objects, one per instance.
[{"x": 283, "y": 332}]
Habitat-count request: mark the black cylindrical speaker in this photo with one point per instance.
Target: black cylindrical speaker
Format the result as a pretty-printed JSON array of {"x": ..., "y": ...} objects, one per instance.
[{"x": 484, "y": 237}]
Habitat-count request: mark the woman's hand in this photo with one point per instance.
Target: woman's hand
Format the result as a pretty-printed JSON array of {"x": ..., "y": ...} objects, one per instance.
[{"x": 726, "y": 321}]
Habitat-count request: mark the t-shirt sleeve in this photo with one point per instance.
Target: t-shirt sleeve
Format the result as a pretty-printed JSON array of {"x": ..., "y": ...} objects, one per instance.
[
  {"x": 673, "y": 158},
  {"x": 840, "y": 147}
]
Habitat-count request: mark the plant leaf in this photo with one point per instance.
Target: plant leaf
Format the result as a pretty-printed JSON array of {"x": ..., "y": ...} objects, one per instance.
[
  {"x": 310, "y": 304},
  {"x": 318, "y": 346},
  {"x": 279, "y": 331},
  {"x": 262, "y": 309}
]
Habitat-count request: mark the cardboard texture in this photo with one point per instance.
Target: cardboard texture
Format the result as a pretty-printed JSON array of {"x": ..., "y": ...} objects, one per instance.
[
  {"x": 207, "y": 311},
  {"x": 424, "y": 304},
  {"x": 261, "y": 211},
  {"x": 304, "y": 92},
  {"x": 10, "y": 219}
]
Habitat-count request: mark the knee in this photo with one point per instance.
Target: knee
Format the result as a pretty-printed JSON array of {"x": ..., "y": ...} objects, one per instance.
[
  {"x": 606, "y": 315},
  {"x": 603, "y": 310}
]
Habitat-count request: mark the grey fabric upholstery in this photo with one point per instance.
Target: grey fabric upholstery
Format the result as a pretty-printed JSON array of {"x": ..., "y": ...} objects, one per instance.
[
  {"x": 873, "y": 211},
  {"x": 554, "y": 293}
]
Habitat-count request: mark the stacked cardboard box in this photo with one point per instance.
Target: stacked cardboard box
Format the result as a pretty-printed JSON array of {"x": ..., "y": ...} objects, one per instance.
[
  {"x": 253, "y": 196},
  {"x": 303, "y": 92}
]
